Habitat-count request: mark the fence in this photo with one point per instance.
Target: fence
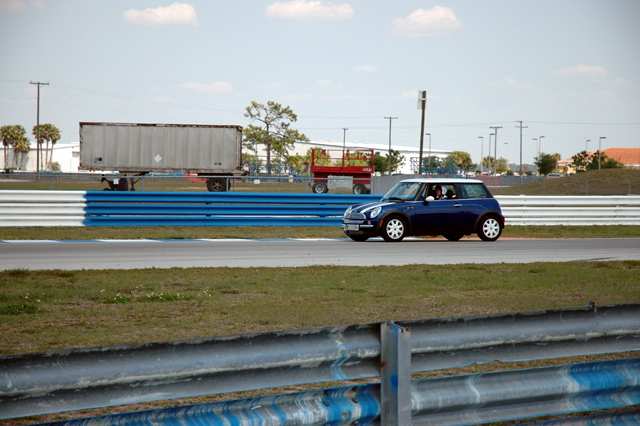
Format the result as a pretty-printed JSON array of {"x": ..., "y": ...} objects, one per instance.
[
  {"x": 114, "y": 208},
  {"x": 57, "y": 381}
]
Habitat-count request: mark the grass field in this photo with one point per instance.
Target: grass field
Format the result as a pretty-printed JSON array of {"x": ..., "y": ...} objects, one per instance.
[{"x": 45, "y": 310}]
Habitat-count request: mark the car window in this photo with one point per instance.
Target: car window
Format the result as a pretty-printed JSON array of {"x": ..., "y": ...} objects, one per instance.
[
  {"x": 448, "y": 190},
  {"x": 468, "y": 190},
  {"x": 404, "y": 190}
]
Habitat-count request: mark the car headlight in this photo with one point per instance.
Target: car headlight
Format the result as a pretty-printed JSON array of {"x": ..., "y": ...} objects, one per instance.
[
  {"x": 348, "y": 211},
  {"x": 375, "y": 212}
]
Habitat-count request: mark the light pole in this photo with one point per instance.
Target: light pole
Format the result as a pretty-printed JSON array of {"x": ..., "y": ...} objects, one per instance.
[
  {"x": 389, "y": 163},
  {"x": 481, "y": 152},
  {"x": 586, "y": 146},
  {"x": 540, "y": 145},
  {"x": 600, "y": 149}
]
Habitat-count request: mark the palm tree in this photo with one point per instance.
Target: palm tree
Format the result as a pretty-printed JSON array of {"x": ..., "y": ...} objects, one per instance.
[
  {"x": 11, "y": 136},
  {"x": 557, "y": 157},
  {"x": 6, "y": 135},
  {"x": 21, "y": 146},
  {"x": 54, "y": 136}
]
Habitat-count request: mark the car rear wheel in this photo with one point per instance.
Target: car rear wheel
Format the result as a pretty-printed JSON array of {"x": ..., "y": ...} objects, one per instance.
[
  {"x": 394, "y": 229},
  {"x": 453, "y": 237},
  {"x": 489, "y": 229}
]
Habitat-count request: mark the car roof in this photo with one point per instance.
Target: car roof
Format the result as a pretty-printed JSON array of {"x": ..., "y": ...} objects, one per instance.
[{"x": 441, "y": 180}]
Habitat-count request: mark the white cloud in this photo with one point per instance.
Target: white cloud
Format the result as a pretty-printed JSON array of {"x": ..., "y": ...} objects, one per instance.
[
  {"x": 427, "y": 22},
  {"x": 365, "y": 68},
  {"x": 217, "y": 87},
  {"x": 620, "y": 82},
  {"x": 323, "y": 83},
  {"x": 272, "y": 86},
  {"x": 309, "y": 10},
  {"x": 176, "y": 14},
  {"x": 583, "y": 70},
  {"x": 20, "y": 5}
]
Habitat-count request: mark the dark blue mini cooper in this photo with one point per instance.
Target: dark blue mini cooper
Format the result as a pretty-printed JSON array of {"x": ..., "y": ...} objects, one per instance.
[{"x": 449, "y": 207}]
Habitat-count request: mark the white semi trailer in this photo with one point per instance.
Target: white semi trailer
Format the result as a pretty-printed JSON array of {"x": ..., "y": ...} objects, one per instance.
[{"x": 211, "y": 153}]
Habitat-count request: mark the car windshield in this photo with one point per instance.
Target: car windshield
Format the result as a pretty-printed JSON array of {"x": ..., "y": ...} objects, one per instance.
[{"x": 403, "y": 191}]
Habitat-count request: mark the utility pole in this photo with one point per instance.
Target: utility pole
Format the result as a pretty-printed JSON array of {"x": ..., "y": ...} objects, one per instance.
[
  {"x": 481, "y": 152},
  {"x": 495, "y": 146},
  {"x": 521, "y": 127},
  {"x": 390, "y": 118},
  {"x": 422, "y": 103},
  {"x": 489, "y": 166},
  {"x": 38, "y": 126},
  {"x": 344, "y": 142}
]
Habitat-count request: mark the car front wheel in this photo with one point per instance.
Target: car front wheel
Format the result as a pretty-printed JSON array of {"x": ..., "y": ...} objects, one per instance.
[
  {"x": 394, "y": 229},
  {"x": 453, "y": 237},
  {"x": 359, "y": 238},
  {"x": 489, "y": 229}
]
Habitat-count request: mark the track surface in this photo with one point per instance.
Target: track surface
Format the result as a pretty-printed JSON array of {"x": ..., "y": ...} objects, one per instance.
[{"x": 137, "y": 254}]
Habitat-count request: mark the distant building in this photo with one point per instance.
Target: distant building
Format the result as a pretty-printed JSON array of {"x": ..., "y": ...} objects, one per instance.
[{"x": 629, "y": 157}]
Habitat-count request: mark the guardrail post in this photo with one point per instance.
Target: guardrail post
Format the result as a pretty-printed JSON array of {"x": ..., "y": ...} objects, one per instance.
[{"x": 395, "y": 374}]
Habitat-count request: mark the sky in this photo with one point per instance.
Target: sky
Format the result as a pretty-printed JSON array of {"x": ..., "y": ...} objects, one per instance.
[{"x": 568, "y": 70}]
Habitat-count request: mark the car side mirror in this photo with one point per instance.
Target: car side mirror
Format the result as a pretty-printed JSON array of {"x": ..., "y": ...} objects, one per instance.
[{"x": 429, "y": 199}]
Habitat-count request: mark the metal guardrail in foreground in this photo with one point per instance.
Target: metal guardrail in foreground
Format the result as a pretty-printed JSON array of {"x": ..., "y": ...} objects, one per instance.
[
  {"x": 570, "y": 210},
  {"x": 454, "y": 400},
  {"x": 74, "y": 379},
  {"x": 112, "y": 208}
]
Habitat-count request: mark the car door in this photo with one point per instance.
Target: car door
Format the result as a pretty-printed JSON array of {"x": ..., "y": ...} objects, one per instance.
[
  {"x": 472, "y": 202},
  {"x": 437, "y": 217}
]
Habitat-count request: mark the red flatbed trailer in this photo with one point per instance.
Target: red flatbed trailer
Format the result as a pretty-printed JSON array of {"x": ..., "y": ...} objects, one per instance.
[{"x": 338, "y": 163}]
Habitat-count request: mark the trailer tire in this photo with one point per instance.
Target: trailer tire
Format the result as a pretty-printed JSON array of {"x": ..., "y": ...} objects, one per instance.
[
  {"x": 122, "y": 185},
  {"x": 320, "y": 188},
  {"x": 217, "y": 184},
  {"x": 359, "y": 188}
]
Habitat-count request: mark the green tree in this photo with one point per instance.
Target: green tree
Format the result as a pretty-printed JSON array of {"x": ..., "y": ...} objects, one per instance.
[
  {"x": 381, "y": 163},
  {"x": 545, "y": 163},
  {"x": 274, "y": 130},
  {"x": 502, "y": 165},
  {"x": 604, "y": 162},
  {"x": 462, "y": 159},
  {"x": 580, "y": 160},
  {"x": 489, "y": 162}
]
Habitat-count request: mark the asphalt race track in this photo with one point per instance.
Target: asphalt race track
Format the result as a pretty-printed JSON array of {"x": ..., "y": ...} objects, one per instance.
[{"x": 137, "y": 254}]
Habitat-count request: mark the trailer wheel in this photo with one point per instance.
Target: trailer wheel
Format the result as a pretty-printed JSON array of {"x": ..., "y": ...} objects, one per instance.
[
  {"x": 320, "y": 188},
  {"x": 217, "y": 184},
  {"x": 359, "y": 188}
]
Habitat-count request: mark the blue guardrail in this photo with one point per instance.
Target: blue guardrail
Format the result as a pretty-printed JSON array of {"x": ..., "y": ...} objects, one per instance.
[{"x": 115, "y": 208}]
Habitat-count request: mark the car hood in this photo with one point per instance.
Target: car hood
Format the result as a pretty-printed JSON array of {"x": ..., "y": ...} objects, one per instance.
[{"x": 364, "y": 208}]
